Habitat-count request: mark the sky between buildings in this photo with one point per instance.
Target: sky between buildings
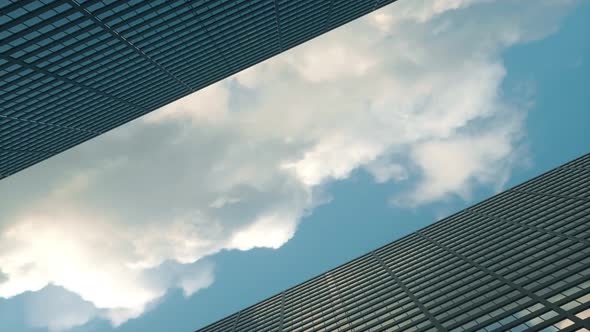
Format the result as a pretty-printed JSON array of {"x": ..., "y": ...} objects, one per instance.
[{"x": 295, "y": 166}]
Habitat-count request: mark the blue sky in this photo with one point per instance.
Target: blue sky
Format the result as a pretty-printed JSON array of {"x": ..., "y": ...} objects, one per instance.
[{"x": 295, "y": 166}]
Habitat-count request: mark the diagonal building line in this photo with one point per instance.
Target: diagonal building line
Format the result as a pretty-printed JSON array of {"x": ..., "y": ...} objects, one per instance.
[
  {"x": 376, "y": 4},
  {"x": 34, "y": 13},
  {"x": 408, "y": 292},
  {"x": 49, "y": 124},
  {"x": 505, "y": 281},
  {"x": 233, "y": 329},
  {"x": 550, "y": 195},
  {"x": 278, "y": 25},
  {"x": 535, "y": 228},
  {"x": 39, "y": 26},
  {"x": 27, "y": 151},
  {"x": 335, "y": 293},
  {"x": 329, "y": 15},
  {"x": 13, "y": 6},
  {"x": 67, "y": 80},
  {"x": 85, "y": 12},
  {"x": 577, "y": 168},
  {"x": 282, "y": 313},
  {"x": 203, "y": 26}
]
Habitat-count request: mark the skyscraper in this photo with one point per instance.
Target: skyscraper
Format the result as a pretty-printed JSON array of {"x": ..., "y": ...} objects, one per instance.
[
  {"x": 71, "y": 70},
  {"x": 517, "y": 261}
]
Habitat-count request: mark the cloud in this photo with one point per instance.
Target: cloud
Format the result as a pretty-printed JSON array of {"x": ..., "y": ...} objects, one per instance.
[
  {"x": 453, "y": 165},
  {"x": 410, "y": 93},
  {"x": 422, "y": 11},
  {"x": 57, "y": 309},
  {"x": 269, "y": 231}
]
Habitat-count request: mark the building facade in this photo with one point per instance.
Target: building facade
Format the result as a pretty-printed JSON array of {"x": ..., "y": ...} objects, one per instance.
[
  {"x": 71, "y": 70},
  {"x": 518, "y": 261}
]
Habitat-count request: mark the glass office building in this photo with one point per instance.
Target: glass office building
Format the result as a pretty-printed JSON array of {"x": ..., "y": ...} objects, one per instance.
[
  {"x": 518, "y": 261},
  {"x": 73, "y": 69}
]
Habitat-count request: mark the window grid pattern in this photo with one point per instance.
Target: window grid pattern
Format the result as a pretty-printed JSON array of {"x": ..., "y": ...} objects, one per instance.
[
  {"x": 518, "y": 261},
  {"x": 71, "y": 70}
]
